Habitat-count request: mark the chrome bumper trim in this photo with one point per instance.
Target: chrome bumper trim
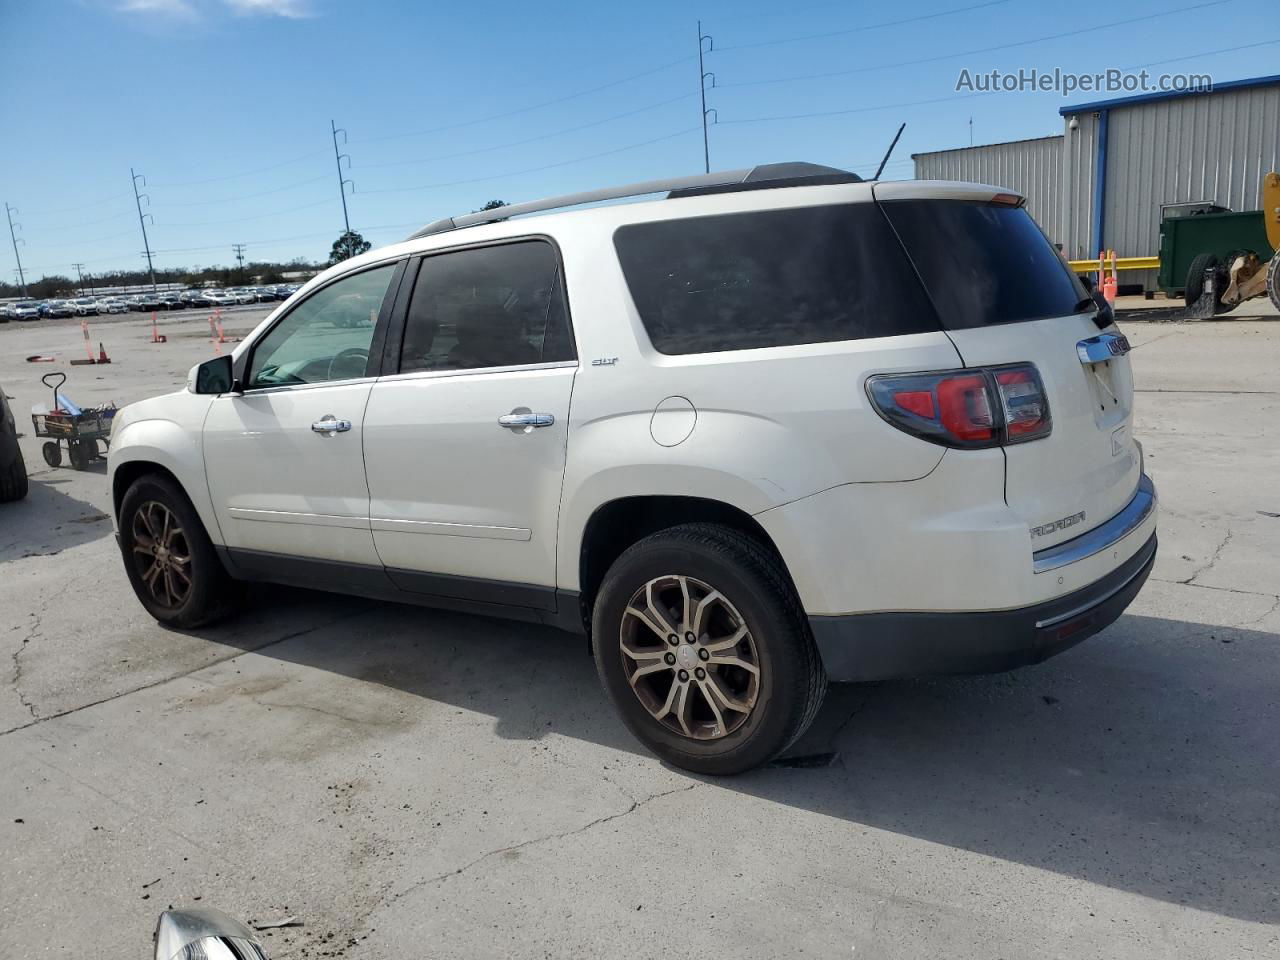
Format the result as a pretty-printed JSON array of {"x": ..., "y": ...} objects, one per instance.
[{"x": 1102, "y": 537}]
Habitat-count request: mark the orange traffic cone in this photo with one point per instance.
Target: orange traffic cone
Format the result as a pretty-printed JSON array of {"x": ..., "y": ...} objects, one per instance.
[
  {"x": 102, "y": 354},
  {"x": 156, "y": 335}
]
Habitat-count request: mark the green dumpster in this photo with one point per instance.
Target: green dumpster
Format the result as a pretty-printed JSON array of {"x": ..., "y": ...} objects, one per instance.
[{"x": 1183, "y": 237}]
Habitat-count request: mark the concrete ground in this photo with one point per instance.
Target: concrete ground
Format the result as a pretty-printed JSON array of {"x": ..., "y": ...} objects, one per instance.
[{"x": 408, "y": 783}]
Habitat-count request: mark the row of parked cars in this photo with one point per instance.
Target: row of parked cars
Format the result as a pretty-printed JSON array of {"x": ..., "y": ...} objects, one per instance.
[{"x": 143, "y": 302}]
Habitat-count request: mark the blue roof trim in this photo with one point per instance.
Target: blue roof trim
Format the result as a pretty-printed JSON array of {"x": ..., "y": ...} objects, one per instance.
[{"x": 1167, "y": 95}]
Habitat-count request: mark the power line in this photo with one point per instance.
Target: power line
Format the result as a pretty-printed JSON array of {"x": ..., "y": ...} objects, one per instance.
[
  {"x": 969, "y": 53},
  {"x": 246, "y": 196},
  {"x": 526, "y": 140},
  {"x": 81, "y": 206},
  {"x": 257, "y": 216},
  {"x": 865, "y": 27},
  {"x": 841, "y": 113},
  {"x": 246, "y": 173},
  {"x": 549, "y": 166},
  {"x": 531, "y": 107}
]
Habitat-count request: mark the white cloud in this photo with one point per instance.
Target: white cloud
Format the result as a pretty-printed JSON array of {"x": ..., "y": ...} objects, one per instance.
[
  {"x": 171, "y": 8},
  {"x": 291, "y": 9}
]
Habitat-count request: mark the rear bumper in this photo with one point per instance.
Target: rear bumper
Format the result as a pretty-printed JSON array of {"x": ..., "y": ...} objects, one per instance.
[{"x": 879, "y": 646}]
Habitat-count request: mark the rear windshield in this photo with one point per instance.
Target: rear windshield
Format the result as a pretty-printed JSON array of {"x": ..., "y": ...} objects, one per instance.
[
  {"x": 984, "y": 263},
  {"x": 771, "y": 278}
]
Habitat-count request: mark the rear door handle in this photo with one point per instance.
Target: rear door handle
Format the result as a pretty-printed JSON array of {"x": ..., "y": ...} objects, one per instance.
[
  {"x": 524, "y": 421},
  {"x": 329, "y": 424}
]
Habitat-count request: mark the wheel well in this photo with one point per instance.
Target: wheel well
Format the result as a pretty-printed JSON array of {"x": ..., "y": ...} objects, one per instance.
[
  {"x": 127, "y": 473},
  {"x": 619, "y": 523}
]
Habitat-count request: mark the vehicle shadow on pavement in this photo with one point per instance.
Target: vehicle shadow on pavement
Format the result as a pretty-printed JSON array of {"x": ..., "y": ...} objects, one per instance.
[
  {"x": 48, "y": 521},
  {"x": 1143, "y": 760}
]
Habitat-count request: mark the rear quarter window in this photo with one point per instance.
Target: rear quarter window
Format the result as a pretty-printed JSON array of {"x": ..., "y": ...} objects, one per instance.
[
  {"x": 771, "y": 278},
  {"x": 984, "y": 263}
]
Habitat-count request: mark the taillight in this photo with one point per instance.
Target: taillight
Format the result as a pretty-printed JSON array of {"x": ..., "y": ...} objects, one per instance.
[{"x": 972, "y": 408}]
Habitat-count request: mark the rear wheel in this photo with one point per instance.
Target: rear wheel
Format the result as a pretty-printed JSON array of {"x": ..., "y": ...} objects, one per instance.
[
  {"x": 704, "y": 649},
  {"x": 52, "y": 453},
  {"x": 1273, "y": 280},
  {"x": 13, "y": 479},
  {"x": 170, "y": 561}
]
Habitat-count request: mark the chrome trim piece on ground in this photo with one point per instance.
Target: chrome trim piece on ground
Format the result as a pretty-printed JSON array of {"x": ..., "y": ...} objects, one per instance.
[{"x": 1101, "y": 537}]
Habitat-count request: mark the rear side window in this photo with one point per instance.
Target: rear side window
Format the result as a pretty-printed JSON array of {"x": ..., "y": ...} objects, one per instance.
[
  {"x": 771, "y": 278},
  {"x": 984, "y": 263},
  {"x": 495, "y": 306}
]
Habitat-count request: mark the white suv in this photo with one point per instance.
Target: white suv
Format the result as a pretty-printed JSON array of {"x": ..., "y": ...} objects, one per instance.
[{"x": 777, "y": 426}]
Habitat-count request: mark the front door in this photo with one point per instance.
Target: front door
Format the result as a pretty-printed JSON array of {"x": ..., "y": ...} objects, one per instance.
[
  {"x": 284, "y": 459},
  {"x": 465, "y": 444}
]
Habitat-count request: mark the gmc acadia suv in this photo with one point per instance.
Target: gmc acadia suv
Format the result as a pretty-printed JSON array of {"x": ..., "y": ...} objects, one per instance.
[{"x": 776, "y": 426}]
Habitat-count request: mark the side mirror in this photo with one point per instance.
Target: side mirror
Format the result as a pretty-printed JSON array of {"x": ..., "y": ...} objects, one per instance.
[
  {"x": 182, "y": 934},
  {"x": 213, "y": 376}
]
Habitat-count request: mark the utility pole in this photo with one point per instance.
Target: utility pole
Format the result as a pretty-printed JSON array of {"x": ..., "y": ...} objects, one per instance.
[
  {"x": 971, "y": 131},
  {"x": 9, "y": 212},
  {"x": 142, "y": 222},
  {"x": 239, "y": 252},
  {"x": 702, "y": 92},
  {"x": 79, "y": 275},
  {"x": 342, "y": 183}
]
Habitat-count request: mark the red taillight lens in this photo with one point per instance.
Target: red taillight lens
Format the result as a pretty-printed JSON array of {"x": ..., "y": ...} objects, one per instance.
[
  {"x": 965, "y": 408},
  {"x": 970, "y": 408}
]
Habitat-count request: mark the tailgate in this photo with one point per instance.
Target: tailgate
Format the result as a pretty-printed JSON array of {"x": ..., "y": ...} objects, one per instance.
[
  {"x": 1005, "y": 295},
  {"x": 1087, "y": 469}
]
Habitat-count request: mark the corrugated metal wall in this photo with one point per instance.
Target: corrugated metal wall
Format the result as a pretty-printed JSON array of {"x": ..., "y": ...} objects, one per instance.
[
  {"x": 1214, "y": 147},
  {"x": 1031, "y": 167}
]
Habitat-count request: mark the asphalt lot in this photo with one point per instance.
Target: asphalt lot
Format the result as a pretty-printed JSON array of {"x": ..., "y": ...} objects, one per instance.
[{"x": 410, "y": 783}]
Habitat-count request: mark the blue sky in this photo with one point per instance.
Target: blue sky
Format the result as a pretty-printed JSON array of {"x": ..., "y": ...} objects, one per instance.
[{"x": 224, "y": 105}]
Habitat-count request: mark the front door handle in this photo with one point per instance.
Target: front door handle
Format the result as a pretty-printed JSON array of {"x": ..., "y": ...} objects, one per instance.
[
  {"x": 329, "y": 424},
  {"x": 525, "y": 421}
]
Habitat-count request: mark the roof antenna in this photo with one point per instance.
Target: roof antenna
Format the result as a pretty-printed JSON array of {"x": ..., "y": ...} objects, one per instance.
[{"x": 880, "y": 169}]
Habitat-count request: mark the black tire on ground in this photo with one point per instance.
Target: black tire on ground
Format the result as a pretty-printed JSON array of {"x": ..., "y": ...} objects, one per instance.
[
  {"x": 13, "y": 480},
  {"x": 1195, "y": 279},
  {"x": 82, "y": 452},
  {"x": 51, "y": 450},
  {"x": 212, "y": 594},
  {"x": 1273, "y": 280},
  {"x": 791, "y": 681}
]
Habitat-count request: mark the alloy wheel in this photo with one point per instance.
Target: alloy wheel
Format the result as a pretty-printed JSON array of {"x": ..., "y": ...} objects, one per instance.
[
  {"x": 161, "y": 554},
  {"x": 689, "y": 657}
]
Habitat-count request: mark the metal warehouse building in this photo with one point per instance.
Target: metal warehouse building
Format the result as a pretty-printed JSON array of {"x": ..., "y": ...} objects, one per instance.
[{"x": 1102, "y": 184}]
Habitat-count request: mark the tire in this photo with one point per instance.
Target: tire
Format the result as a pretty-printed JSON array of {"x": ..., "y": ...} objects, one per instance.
[
  {"x": 754, "y": 592},
  {"x": 1273, "y": 280},
  {"x": 1195, "y": 280},
  {"x": 82, "y": 453},
  {"x": 51, "y": 450},
  {"x": 211, "y": 594},
  {"x": 13, "y": 480}
]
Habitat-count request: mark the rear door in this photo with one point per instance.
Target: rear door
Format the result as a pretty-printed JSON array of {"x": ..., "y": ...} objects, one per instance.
[
  {"x": 465, "y": 445},
  {"x": 1006, "y": 296}
]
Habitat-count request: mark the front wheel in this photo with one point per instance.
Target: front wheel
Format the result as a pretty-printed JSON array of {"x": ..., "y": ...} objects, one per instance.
[
  {"x": 170, "y": 561},
  {"x": 704, "y": 649}
]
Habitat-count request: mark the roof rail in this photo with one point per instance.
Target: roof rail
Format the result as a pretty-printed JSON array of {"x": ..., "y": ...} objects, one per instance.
[{"x": 762, "y": 176}]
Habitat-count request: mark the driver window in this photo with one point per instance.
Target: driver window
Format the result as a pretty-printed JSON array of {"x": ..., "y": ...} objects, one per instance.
[{"x": 326, "y": 337}]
